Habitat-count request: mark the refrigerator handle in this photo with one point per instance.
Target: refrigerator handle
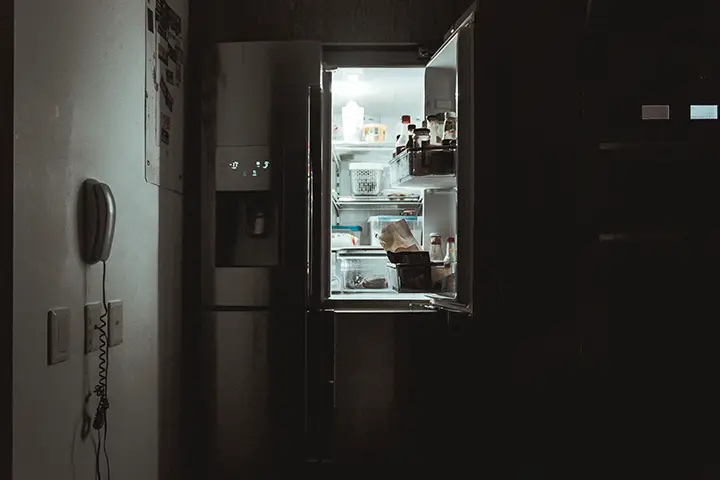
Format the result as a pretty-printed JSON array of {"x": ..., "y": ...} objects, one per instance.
[{"x": 318, "y": 214}]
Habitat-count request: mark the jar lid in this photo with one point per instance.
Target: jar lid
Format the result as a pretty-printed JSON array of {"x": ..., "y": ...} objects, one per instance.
[
  {"x": 411, "y": 126},
  {"x": 434, "y": 234},
  {"x": 431, "y": 117},
  {"x": 451, "y": 239},
  {"x": 406, "y": 119},
  {"x": 422, "y": 131}
]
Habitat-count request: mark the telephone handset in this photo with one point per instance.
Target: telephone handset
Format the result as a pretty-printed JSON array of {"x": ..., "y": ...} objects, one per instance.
[{"x": 99, "y": 221}]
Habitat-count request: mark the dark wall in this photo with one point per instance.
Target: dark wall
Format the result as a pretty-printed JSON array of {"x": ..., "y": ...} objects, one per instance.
[
  {"x": 337, "y": 21},
  {"x": 6, "y": 249}
]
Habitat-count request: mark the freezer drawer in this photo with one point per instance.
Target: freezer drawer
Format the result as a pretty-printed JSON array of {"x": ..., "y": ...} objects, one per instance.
[
  {"x": 240, "y": 408},
  {"x": 242, "y": 287},
  {"x": 392, "y": 383}
]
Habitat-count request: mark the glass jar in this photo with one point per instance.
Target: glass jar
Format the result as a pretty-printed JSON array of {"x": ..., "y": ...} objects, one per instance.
[
  {"x": 422, "y": 137},
  {"x": 440, "y": 128},
  {"x": 450, "y": 129},
  {"x": 432, "y": 125}
]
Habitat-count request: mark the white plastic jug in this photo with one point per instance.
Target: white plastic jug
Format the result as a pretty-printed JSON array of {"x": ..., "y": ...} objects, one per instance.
[{"x": 353, "y": 116}]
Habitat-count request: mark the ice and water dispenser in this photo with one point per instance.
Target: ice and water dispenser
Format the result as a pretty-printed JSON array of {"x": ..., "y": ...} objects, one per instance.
[{"x": 245, "y": 208}]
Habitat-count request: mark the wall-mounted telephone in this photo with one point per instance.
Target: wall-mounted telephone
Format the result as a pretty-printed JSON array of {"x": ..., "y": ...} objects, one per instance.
[{"x": 98, "y": 222}]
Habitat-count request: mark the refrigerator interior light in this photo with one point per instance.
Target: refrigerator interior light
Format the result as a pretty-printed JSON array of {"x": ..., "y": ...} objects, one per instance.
[{"x": 350, "y": 84}]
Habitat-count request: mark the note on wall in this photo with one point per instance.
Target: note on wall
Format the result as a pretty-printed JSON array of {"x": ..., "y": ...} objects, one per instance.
[{"x": 164, "y": 92}]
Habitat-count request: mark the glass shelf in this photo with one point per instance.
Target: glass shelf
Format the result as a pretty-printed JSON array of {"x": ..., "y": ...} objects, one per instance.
[
  {"x": 376, "y": 202},
  {"x": 428, "y": 181},
  {"x": 362, "y": 146}
]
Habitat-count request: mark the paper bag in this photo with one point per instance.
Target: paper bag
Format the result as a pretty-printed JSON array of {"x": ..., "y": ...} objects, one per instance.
[{"x": 397, "y": 237}]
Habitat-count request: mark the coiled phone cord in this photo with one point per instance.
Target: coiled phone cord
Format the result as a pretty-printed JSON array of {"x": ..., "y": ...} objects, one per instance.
[{"x": 100, "y": 420}]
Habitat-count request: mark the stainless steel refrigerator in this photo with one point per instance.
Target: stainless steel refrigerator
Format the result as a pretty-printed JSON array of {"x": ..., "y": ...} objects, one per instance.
[{"x": 299, "y": 371}]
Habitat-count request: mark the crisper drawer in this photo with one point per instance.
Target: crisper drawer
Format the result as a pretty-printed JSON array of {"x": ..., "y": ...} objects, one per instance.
[{"x": 363, "y": 270}]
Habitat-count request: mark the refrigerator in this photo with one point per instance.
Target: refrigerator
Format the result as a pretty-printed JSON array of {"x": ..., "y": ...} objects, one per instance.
[{"x": 294, "y": 362}]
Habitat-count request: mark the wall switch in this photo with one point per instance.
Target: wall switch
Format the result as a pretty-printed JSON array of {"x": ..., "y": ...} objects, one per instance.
[
  {"x": 58, "y": 335},
  {"x": 92, "y": 326},
  {"x": 115, "y": 322}
]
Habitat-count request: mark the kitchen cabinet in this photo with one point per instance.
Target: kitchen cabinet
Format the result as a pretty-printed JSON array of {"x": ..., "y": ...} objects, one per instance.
[{"x": 330, "y": 21}]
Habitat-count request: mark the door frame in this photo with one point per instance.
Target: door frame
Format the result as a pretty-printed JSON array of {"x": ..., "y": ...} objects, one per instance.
[{"x": 7, "y": 165}]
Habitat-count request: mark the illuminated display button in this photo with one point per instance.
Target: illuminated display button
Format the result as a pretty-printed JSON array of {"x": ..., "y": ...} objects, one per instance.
[{"x": 703, "y": 112}]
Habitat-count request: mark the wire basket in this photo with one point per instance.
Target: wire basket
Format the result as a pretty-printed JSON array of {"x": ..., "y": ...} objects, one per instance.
[{"x": 366, "y": 178}]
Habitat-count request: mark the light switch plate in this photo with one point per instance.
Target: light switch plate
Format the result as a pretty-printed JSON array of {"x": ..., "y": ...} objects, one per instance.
[
  {"x": 92, "y": 327},
  {"x": 58, "y": 335},
  {"x": 115, "y": 322}
]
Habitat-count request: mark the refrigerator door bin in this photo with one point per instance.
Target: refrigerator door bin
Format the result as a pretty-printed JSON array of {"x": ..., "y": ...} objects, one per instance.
[
  {"x": 427, "y": 167},
  {"x": 409, "y": 277},
  {"x": 421, "y": 257}
]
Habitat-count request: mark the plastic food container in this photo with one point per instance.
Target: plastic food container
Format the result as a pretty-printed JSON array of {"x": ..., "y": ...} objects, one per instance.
[
  {"x": 335, "y": 282},
  {"x": 376, "y": 224},
  {"x": 363, "y": 270},
  {"x": 366, "y": 178},
  {"x": 351, "y": 229},
  {"x": 342, "y": 240},
  {"x": 374, "y": 132}
]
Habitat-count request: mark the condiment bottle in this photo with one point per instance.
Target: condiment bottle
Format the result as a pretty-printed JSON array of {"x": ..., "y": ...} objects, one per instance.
[
  {"x": 450, "y": 132},
  {"x": 432, "y": 124},
  {"x": 450, "y": 262},
  {"x": 436, "y": 252},
  {"x": 402, "y": 126},
  {"x": 402, "y": 142},
  {"x": 411, "y": 134}
]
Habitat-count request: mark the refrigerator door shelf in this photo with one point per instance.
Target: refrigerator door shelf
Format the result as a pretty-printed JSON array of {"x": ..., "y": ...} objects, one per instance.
[
  {"x": 426, "y": 168},
  {"x": 442, "y": 302}
]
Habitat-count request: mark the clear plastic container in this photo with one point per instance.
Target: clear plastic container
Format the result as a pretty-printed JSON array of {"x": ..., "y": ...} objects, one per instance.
[
  {"x": 363, "y": 270},
  {"x": 374, "y": 133},
  {"x": 335, "y": 275},
  {"x": 366, "y": 178},
  {"x": 376, "y": 224},
  {"x": 351, "y": 229}
]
